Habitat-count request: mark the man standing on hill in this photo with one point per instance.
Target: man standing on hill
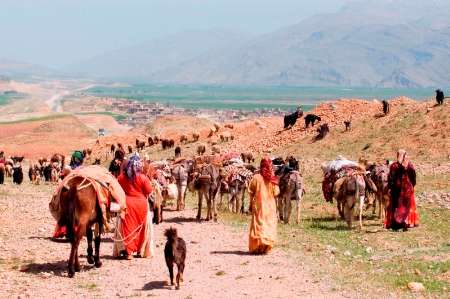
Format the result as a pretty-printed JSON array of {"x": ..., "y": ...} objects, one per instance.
[{"x": 401, "y": 210}]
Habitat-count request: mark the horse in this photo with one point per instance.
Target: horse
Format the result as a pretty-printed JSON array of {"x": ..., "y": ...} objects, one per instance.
[{"x": 80, "y": 211}]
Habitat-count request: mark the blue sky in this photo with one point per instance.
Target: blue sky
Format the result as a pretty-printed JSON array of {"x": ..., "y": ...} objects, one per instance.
[{"x": 61, "y": 32}]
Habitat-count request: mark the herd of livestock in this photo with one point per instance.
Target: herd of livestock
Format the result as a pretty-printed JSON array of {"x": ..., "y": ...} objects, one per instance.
[{"x": 217, "y": 175}]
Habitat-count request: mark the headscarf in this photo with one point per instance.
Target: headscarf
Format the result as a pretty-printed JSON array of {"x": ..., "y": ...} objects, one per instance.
[
  {"x": 266, "y": 169},
  {"x": 402, "y": 158},
  {"x": 133, "y": 167},
  {"x": 76, "y": 160}
]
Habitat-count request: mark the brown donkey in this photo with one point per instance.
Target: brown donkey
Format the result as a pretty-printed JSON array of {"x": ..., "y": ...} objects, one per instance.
[{"x": 81, "y": 210}]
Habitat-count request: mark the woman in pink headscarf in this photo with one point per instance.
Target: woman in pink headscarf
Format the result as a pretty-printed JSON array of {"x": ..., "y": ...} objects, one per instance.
[
  {"x": 263, "y": 190},
  {"x": 401, "y": 210}
]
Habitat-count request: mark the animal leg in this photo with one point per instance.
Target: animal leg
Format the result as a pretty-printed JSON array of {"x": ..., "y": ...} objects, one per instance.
[
  {"x": 73, "y": 252},
  {"x": 361, "y": 206},
  {"x": 98, "y": 263},
  {"x": 280, "y": 208},
  {"x": 90, "y": 257},
  {"x": 242, "y": 210},
  {"x": 348, "y": 212},
  {"x": 171, "y": 273},
  {"x": 200, "y": 199},
  {"x": 299, "y": 207},
  {"x": 209, "y": 207},
  {"x": 77, "y": 267},
  {"x": 287, "y": 209}
]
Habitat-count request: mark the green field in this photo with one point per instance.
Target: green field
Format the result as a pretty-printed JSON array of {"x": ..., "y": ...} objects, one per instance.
[{"x": 249, "y": 97}]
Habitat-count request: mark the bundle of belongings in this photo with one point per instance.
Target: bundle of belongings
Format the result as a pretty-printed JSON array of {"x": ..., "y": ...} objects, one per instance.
[
  {"x": 104, "y": 183},
  {"x": 163, "y": 176},
  {"x": 335, "y": 170},
  {"x": 283, "y": 171},
  {"x": 208, "y": 159},
  {"x": 235, "y": 170}
]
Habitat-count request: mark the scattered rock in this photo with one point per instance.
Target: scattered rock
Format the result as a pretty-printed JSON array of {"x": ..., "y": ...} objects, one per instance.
[{"x": 416, "y": 287}]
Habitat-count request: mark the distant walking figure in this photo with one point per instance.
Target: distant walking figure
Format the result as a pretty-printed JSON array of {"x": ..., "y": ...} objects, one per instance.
[
  {"x": 386, "y": 107},
  {"x": 440, "y": 97}
]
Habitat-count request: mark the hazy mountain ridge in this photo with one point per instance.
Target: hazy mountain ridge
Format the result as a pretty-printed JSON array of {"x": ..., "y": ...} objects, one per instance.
[
  {"x": 350, "y": 48},
  {"x": 139, "y": 62},
  {"x": 373, "y": 43}
]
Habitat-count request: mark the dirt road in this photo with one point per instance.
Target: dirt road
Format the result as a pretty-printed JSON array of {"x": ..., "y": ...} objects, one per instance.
[{"x": 218, "y": 266}]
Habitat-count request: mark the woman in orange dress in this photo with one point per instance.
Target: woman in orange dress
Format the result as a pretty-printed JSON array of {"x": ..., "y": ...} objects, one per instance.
[
  {"x": 133, "y": 229},
  {"x": 263, "y": 190}
]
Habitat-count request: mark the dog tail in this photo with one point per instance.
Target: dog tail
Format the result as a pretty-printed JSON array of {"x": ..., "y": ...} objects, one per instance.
[{"x": 171, "y": 234}]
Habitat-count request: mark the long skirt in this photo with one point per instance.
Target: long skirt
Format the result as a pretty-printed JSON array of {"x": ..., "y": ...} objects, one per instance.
[{"x": 147, "y": 246}]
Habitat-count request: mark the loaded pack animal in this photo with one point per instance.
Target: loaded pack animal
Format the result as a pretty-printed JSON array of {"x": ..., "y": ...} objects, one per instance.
[
  {"x": 175, "y": 254},
  {"x": 311, "y": 119},
  {"x": 350, "y": 190},
  {"x": 322, "y": 132},
  {"x": 206, "y": 180},
  {"x": 17, "y": 172},
  {"x": 292, "y": 187},
  {"x": 237, "y": 182},
  {"x": 386, "y": 107},
  {"x": 181, "y": 173},
  {"x": 291, "y": 119},
  {"x": 80, "y": 211},
  {"x": 379, "y": 175}
]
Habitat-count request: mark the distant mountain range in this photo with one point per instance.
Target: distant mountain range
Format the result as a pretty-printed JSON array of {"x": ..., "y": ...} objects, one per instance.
[
  {"x": 19, "y": 70},
  {"x": 372, "y": 43}
]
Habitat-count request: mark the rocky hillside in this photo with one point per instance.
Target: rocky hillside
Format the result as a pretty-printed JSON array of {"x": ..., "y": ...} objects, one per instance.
[{"x": 44, "y": 136}]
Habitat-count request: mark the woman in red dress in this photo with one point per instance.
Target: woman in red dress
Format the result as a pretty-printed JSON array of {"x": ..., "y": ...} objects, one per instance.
[
  {"x": 401, "y": 210},
  {"x": 133, "y": 229}
]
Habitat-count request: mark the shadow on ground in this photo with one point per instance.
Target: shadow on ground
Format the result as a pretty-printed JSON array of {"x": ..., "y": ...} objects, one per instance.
[{"x": 155, "y": 285}]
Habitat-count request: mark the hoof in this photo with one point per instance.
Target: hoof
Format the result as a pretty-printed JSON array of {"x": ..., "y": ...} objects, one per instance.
[
  {"x": 71, "y": 274},
  {"x": 177, "y": 287},
  {"x": 90, "y": 260},
  {"x": 77, "y": 268},
  {"x": 98, "y": 264}
]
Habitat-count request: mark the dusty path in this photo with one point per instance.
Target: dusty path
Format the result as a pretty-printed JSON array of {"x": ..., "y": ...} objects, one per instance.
[{"x": 217, "y": 264}]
